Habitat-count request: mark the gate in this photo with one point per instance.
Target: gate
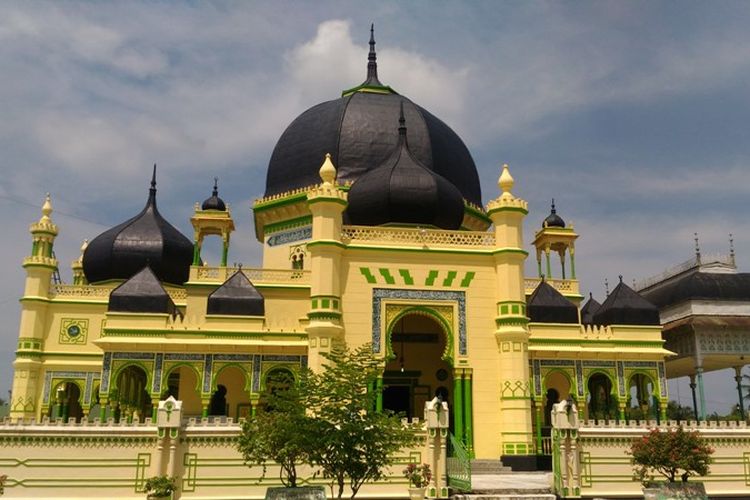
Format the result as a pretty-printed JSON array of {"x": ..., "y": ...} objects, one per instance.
[{"x": 459, "y": 465}]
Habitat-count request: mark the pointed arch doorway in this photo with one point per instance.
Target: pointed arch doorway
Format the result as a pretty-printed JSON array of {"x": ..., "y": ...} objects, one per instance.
[{"x": 419, "y": 366}]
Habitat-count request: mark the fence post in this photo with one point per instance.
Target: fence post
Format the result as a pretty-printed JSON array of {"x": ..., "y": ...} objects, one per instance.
[
  {"x": 565, "y": 454},
  {"x": 436, "y": 418}
]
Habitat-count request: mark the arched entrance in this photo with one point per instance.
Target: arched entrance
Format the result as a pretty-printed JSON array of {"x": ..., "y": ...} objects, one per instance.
[
  {"x": 602, "y": 404},
  {"x": 67, "y": 402},
  {"x": 419, "y": 368},
  {"x": 131, "y": 400},
  {"x": 181, "y": 382},
  {"x": 558, "y": 387},
  {"x": 643, "y": 404},
  {"x": 230, "y": 397}
]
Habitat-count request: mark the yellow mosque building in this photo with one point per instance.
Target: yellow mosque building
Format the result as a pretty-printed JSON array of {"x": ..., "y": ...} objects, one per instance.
[{"x": 374, "y": 230}]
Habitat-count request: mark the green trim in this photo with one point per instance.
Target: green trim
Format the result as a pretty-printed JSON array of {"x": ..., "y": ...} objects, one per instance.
[
  {"x": 507, "y": 209},
  {"x": 431, "y": 277},
  {"x": 322, "y": 243},
  {"x": 278, "y": 202},
  {"x": 368, "y": 275},
  {"x": 386, "y": 274},
  {"x": 329, "y": 199},
  {"x": 36, "y": 264},
  {"x": 478, "y": 214},
  {"x": 467, "y": 279},
  {"x": 602, "y": 343},
  {"x": 448, "y": 281},
  {"x": 176, "y": 334},
  {"x": 408, "y": 280},
  {"x": 418, "y": 250},
  {"x": 287, "y": 224},
  {"x": 510, "y": 250},
  {"x": 374, "y": 89}
]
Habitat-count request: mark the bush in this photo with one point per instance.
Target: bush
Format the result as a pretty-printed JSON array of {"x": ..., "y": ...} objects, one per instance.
[
  {"x": 160, "y": 486},
  {"x": 2, "y": 483},
  {"x": 670, "y": 453},
  {"x": 419, "y": 476}
]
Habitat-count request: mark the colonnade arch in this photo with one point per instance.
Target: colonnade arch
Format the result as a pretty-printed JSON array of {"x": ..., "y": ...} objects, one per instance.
[{"x": 67, "y": 401}]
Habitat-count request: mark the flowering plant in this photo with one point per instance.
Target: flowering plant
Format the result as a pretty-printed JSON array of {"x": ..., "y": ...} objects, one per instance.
[
  {"x": 669, "y": 453},
  {"x": 419, "y": 476},
  {"x": 2, "y": 483}
]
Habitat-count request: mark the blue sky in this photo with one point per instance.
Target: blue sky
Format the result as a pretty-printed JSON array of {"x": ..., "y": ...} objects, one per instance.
[{"x": 632, "y": 115}]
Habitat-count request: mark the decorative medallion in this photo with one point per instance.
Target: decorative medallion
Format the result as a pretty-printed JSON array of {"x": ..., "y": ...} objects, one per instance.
[{"x": 73, "y": 331}]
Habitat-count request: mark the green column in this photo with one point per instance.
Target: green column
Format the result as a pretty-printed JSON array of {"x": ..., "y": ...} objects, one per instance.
[
  {"x": 224, "y": 254},
  {"x": 701, "y": 394},
  {"x": 204, "y": 413},
  {"x": 538, "y": 405},
  {"x": 102, "y": 410},
  {"x": 154, "y": 409},
  {"x": 468, "y": 410},
  {"x": 196, "y": 254},
  {"x": 379, "y": 398},
  {"x": 458, "y": 406},
  {"x": 572, "y": 264},
  {"x": 539, "y": 263},
  {"x": 549, "y": 267}
]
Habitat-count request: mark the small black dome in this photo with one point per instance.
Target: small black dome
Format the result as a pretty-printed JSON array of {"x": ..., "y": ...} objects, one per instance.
[
  {"x": 142, "y": 293},
  {"x": 147, "y": 238},
  {"x": 589, "y": 309},
  {"x": 547, "y": 305},
  {"x": 553, "y": 220},
  {"x": 357, "y": 130},
  {"x": 402, "y": 190},
  {"x": 237, "y": 296},
  {"x": 625, "y": 307},
  {"x": 214, "y": 202}
]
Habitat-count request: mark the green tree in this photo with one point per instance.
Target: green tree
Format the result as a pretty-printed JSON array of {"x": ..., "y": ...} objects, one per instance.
[
  {"x": 670, "y": 453},
  {"x": 279, "y": 431},
  {"x": 352, "y": 442},
  {"x": 676, "y": 411}
]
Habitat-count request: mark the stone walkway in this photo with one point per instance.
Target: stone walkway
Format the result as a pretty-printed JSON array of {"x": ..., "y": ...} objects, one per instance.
[{"x": 512, "y": 486}]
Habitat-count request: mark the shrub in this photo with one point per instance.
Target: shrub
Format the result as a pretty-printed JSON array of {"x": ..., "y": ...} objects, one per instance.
[
  {"x": 160, "y": 486},
  {"x": 419, "y": 476},
  {"x": 2, "y": 483},
  {"x": 670, "y": 453}
]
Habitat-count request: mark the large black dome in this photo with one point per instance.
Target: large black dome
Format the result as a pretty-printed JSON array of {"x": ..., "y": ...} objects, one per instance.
[
  {"x": 145, "y": 240},
  {"x": 357, "y": 129}
]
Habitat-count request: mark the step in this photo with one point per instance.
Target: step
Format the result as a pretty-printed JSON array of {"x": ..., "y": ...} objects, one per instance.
[
  {"x": 501, "y": 496},
  {"x": 486, "y": 466}
]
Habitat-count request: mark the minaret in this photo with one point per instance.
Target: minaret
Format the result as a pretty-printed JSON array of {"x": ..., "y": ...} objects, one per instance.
[
  {"x": 212, "y": 218},
  {"x": 511, "y": 332},
  {"x": 79, "y": 278},
  {"x": 327, "y": 203},
  {"x": 40, "y": 267}
]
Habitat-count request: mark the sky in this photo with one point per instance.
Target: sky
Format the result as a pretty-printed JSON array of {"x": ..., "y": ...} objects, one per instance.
[{"x": 632, "y": 115}]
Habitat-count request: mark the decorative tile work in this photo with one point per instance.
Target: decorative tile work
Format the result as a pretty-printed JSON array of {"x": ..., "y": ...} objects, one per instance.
[
  {"x": 284, "y": 237},
  {"x": 73, "y": 331},
  {"x": 579, "y": 378},
  {"x": 233, "y": 357},
  {"x": 640, "y": 364},
  {"x": 378, "y": 294},
  {"x": 662, "y": 380},
  {"x": 599, "y": 364},
  {"x": 207, "y": 366},
  {"x": 556, "y": 362},
  {"x": 158, "y": 366},
  {"x": 724, "y": 342},
  {"x": 178, "y": 356},
  {"x": 303, "y": 361},
  {"x": 59, "y": 375},
  {"x": 134, "y": 356},
  {"x": 106, "y": 371},
  {"x": 277, "y": 357},
  {"x": 256, "y": 373},
  {"x": 536, "y": 368},
  {"x": 90, "y": 377},
  {"x": 621, "y": 378}
]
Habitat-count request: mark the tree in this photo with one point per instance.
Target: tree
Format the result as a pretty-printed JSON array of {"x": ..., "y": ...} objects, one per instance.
[
  {"x": 279, "y": 431},
  {"x": 668, "y": 452},
  {"x": 352, "y": 442},
  {"x": 676, "y": 411}
]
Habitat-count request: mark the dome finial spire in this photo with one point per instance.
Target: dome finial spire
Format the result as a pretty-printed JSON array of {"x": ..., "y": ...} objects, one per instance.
[
  {"x": 153, "y": 182},
  {"x": 372, "y": 62},
  {"x": 505, "y": 182},
  {"x": 327, "y": 171},
  {"x": 216, "y": 187},
  {"x": 553, "y": 207}
]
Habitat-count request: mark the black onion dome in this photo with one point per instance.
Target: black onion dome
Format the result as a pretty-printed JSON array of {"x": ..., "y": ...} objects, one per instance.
[
  {"x": 547, "y": 305},
  {"x": 147, "y": 238},
  {"x": 402, "y": 190},
  {"x": 553, "y": 220},
  {"x": 142, "y": 293},
  {"x": 214, "y": 202},
  {"x": 357, "y": 129},
  {"x": 625, "y": 307},
  {"x": 237, "y": 296},
  {"x": 589, "y": 309}
]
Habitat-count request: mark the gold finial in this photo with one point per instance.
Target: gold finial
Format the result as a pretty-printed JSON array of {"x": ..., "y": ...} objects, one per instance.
[
  {"x": 46, "y": 209},
  {"x": 84, "y": 246},
  {"x": 328, "y": 171},
  {"x": 506, "y": 181}
]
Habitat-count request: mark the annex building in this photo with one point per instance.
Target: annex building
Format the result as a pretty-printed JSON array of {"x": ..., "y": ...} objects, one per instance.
[{"x": 374, "y": 230}]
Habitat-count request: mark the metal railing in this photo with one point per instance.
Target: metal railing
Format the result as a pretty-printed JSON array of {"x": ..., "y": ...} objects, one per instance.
[{"x": 458, "y": 465}]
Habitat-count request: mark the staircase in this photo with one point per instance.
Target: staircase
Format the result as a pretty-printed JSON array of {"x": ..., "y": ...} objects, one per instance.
[{"x": 491, "y": 480}]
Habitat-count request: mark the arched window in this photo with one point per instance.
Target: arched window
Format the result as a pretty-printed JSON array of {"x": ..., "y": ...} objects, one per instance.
[{"x": 297, "y": 256}]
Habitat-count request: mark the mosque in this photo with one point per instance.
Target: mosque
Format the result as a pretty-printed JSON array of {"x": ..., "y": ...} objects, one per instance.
[{"x": 374, "y": 231}]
